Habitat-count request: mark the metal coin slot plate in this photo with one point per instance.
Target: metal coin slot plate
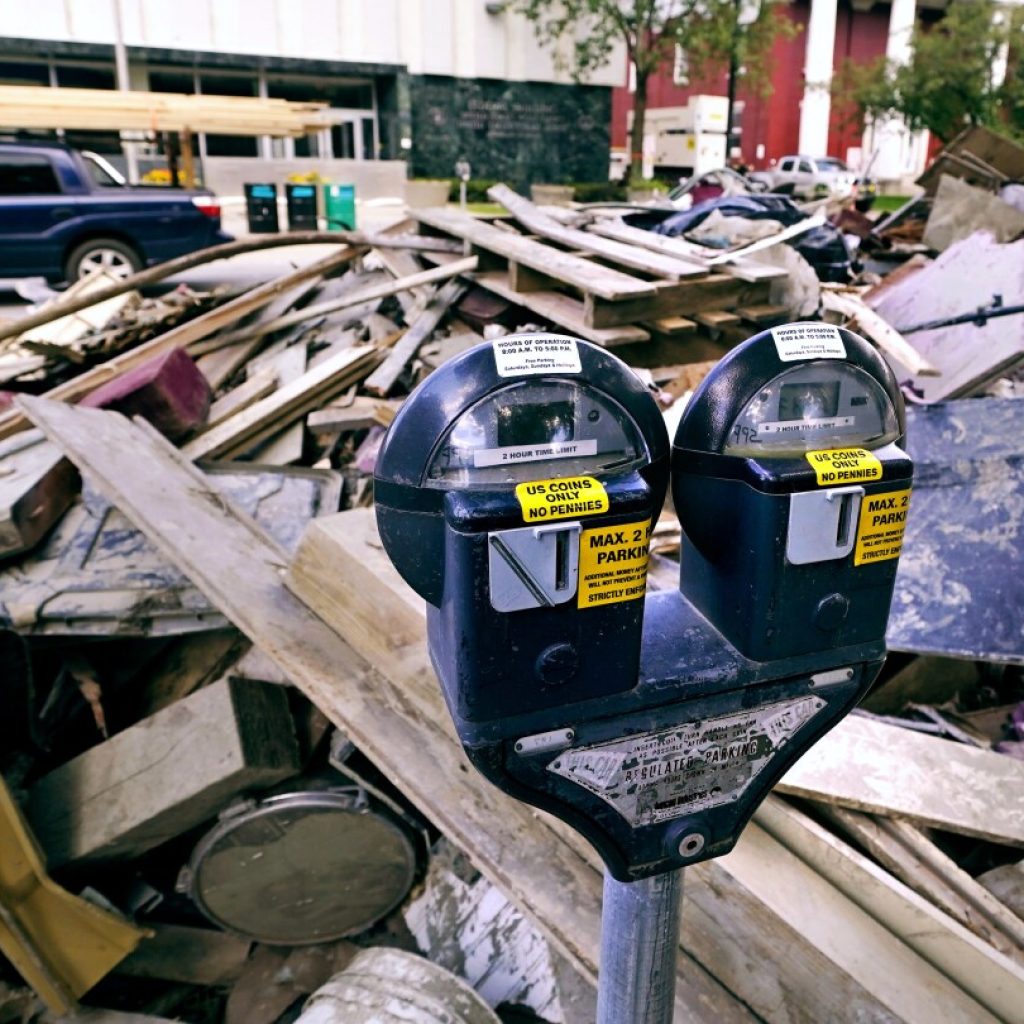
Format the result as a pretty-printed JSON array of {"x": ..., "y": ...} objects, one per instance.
[
  {"x": 533, "y": 567},
  {"x": 659, "y": 776},
  {"x": 822, "y": 524}
]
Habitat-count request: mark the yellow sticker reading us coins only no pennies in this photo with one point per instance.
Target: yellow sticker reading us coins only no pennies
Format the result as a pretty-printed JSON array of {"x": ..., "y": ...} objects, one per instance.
[
  {"x": 564, "y": 498},
  {"x": 841, "y": 466}
]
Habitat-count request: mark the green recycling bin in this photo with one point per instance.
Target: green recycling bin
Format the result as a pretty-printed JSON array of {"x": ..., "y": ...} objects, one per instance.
[{"x": 340, "y": 207}]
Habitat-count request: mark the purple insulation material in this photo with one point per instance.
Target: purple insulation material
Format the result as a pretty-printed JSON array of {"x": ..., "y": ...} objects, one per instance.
[{"x": 169, "y": 391}]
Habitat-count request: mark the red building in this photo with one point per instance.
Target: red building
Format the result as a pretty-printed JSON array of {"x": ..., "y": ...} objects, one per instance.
[{"x": 798, "y": 115}]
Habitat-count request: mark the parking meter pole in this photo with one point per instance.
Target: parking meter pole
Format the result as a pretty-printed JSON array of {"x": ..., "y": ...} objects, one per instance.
[{"x": 639, "y": 945}]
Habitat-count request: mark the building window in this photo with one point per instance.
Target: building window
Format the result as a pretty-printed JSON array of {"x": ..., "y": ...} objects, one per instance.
[
  {"x": 230, "y": 85},
  {"x": 79, "y": 76},
  {"x": 19, "y": 73},
  {"x": 172, "y": 81}
]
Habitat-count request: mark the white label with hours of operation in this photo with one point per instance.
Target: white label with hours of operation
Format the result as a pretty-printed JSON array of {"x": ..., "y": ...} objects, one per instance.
[
  {"x": 659, "y": 776},
  {"x": 808, "y": 341},
  {"x": 799, "y": 426},
  {"x": 536, "y": 353},
  {"x": 533, "y": 452}
]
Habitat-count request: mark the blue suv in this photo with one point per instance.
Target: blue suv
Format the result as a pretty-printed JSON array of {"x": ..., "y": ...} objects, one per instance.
[{"x": 64, "y": 213}]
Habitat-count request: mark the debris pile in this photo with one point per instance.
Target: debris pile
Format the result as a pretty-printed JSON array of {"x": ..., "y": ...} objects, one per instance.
[{"x": 221, "y": 726}]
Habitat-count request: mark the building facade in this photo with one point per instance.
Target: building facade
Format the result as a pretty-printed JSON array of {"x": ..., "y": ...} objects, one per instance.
[
  {"x": 422, "y": 81},
  {"x": 800, "y": 115}
]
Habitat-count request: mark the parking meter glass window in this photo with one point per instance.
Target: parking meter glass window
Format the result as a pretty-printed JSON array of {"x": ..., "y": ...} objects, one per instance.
[
  {"x": 812, "y": 406},
  {"x": 567, "y": 426}
]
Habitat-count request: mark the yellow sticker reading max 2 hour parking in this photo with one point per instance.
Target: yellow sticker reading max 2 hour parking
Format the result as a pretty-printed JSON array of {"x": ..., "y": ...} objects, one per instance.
[
  {"x": 567, "y": 497},
  {"x": 883, "y": 518},
  {"x": 844, "y": 466},
  {"x": 613, "y": 563}
]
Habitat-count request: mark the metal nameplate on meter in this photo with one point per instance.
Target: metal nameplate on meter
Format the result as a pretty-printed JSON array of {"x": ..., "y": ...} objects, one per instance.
[{"x": 659, "y": 776}]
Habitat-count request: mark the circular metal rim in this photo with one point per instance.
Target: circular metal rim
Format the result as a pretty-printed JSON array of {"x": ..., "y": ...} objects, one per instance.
[
  {"x": 111, "y": 261},
  {"x": 353, "y": 801}
]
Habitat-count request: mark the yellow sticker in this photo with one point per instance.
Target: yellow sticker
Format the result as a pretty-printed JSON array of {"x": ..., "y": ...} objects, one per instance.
[
  {"x": 567, "y": 497},
  {"x": 844, "y": 466},
  {"x": 613, "y": 564},
  {"x": 883, "y": 518}
]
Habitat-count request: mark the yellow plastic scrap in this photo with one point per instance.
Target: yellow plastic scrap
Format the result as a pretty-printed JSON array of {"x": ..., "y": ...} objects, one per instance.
[{"x": 60, "y": 944}]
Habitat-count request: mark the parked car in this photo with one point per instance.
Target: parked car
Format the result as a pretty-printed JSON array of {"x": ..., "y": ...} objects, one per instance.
[
  {"x": 64, "y": 213},
  {"x": 809, "y": 177}
]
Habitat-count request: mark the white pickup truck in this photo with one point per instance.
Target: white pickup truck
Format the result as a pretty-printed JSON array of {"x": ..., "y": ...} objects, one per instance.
[{"x": 809, "y": 177}]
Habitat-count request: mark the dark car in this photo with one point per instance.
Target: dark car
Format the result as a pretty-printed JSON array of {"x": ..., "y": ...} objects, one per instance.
[{"x": 64, "y": 213}]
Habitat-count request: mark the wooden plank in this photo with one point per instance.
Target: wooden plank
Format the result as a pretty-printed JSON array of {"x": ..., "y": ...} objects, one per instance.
[
  {"x": 717, "y": 291},
  {"x": 355, "y": 298},
  {"x": 869, "y": 766},
  {"x": 716, "y": 319},
  {"x": 194, "y": 956},
  {"x": 765, "y": 315},
  {"x": 69, "y": 304},
  {"x": 233, "y": 562},
  {"x": 237, "y": 399},
  {"x": 740, "y": 909},
  {"x": 916, "y": 861},
  {"x": 402, "y": 264},
  {"x": 164, "y": 775},
  {"x": 359, "y": 414},
  {"x": 563, "y": 310},
  {"x": 862, "y": 318},
  {"x": 285, "y": 405},
  {"x": 673, "y": 326},
  {"x": 635, "y": 257},
  {"x": 991, "y": 978},
  {"x": 13, "y": 420},
  {"x": 384, "y": 377},
  {"x": 680, "y": 248},
  {"x": 284, "y": 447},
  {"x": 571, "y": 270},
  {"x": 221, "y": 364}
]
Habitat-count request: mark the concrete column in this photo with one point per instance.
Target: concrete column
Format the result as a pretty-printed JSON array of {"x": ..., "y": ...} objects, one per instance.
[
  {"x": 897, "y": 152},
  {"x": 817, "y": 102}
]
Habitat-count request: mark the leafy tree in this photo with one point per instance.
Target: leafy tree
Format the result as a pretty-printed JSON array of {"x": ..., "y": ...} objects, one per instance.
[
  {"x": 713, "y": 34},
  {"x": 948, "y": 83}
]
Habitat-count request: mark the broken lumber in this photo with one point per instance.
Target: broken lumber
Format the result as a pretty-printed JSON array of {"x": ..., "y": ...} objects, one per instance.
[
  {"x": 870, "y": 766},
  {"x": 166, "y": 774},
  {"x": 631, "y": 256},
  {"x": 916, "y": 861},
  {"x": 550, "y": 263},
  {"x": 383, "y": 379},
  {"x": 238, "y": 567},
  {"x": 287, "y": 404},
  {"x": 13, "y": 421},
  {"x": 863, "y": 319},
  {"x": 993, "y": 979},
  {"x": 37, "y": 486},
  {"x": 169, "y": 391},
  {"x": 67, "y": 305},
  {"x": 355, "y": 298}
]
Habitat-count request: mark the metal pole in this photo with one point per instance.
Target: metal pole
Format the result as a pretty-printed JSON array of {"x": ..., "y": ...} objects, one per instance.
[
  {"x": 639, "y": 942},
  {"x": 124, "y": 85}
]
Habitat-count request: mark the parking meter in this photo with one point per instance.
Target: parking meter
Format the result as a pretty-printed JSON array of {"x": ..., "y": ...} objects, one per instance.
[{"x": 515, "y": 492}]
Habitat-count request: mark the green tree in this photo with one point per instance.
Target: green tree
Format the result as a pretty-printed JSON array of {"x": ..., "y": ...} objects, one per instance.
[
  {"x": 949, "y": 82},
  {"x": 714, "y": 35}
]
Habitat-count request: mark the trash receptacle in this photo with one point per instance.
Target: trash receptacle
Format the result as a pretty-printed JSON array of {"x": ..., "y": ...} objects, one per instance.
[
  {"x": 261, "y": 208},
  {"x": 340, "y": 207},
  {"x": 301, "y": 201}
]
